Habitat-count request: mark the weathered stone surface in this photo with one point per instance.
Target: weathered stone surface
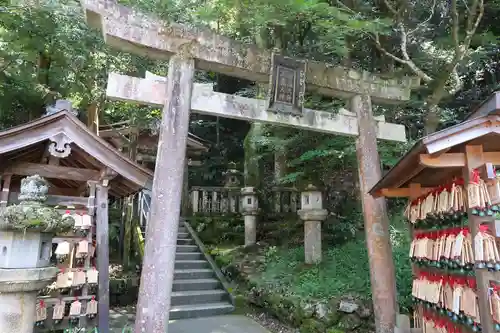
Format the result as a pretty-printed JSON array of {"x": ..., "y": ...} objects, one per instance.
[
  {"x": 348, "y": 306},
  {"x": 312, "y": 214},
  {"x": 28, "y": 249},
  {"x": 163, "y": 224},
  {"x": 133, "y": 31},
  {"x": 250, "y": 229},
  {"x": 376, "y": 220},
  {"x": 206, "y": 101},
  {"x": 19, "y": 280},
  {"x": 17, "y": 312},
  {"x": 349, "y": 322},
  {"x": 32, "y": 214},
  {"x": 312, "y": 242},
  {"x": 18, "y": 291}
]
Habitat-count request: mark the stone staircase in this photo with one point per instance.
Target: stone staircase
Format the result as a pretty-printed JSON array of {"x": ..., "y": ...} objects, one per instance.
[{"x": 198, "y": 289}]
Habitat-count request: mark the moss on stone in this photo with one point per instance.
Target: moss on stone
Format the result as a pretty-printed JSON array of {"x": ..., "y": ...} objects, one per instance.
[
  {"x": 32, "y": 214},
  {"x": 312, "y": 326}
]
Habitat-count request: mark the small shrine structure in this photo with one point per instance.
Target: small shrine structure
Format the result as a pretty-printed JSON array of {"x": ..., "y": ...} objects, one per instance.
[
  {"x": 81, "y": 171},
  {"x": 143, "y": 143},
  {"x": 453, "y": 185}
]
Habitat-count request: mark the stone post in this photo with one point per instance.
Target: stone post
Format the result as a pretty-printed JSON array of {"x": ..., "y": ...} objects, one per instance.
[
  {"x": 250, "y": 209},
  {"x": 378, "y": 243},
  {"x": 312, "y": 213},
  {"x": 161, "y": 232},
  {"x": 25, "y": 249}
]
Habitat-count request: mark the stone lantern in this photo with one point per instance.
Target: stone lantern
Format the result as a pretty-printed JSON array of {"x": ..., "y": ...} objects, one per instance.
[
  {"x": 231, "y": 176},
  {"x": 313, "y": 214},
  {"x": 250, "y": 209},
  {"x": 26, "y": 232}
]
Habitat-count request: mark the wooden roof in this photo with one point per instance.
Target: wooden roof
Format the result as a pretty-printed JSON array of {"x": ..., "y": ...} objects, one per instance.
[
  {"x": 489, "y": 106},
  {"x": 27, "y": 145},
  {"x": 437, "y": 158},
  {"x": 115, "y": 134}
]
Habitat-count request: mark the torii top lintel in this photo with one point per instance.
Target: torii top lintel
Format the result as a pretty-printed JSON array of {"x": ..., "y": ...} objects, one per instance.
[{"x": 135, "y": 32}]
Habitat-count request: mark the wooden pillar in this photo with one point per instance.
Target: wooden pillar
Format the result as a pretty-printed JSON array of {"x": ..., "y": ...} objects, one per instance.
[
  {"x": 127, "y": 230},
  {"x": 161, "y": 232},
  {"x": 129, "y": 204},
  {"x": 102, "y": 237},
  {"x": 475, "y": 159},
  {"x": 4, "y": 197},
  {"x": 382, "y": 272}
]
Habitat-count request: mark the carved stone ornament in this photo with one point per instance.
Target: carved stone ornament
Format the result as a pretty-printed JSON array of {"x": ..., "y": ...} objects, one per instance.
[
  {"x": 232, "y": 176},
  {"x": 31, "y": 214},
  {"x": 60, "y": 105},
  {"x": 287, "y": 85},
  {"x": 60, "y": 145}
]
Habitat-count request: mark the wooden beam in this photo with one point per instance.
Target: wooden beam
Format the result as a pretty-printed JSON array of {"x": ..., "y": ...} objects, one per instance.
[
  {"x": 443, "y": 161},
  {"x": 402, "y": 192},
  {"x": 152, "y": 158},
  {"x": 205, "y": 101},
  {"x": 54, "y": 200},
  {"x": 4, "y": 197},
  {"x": 53, "y": 171},
  {"x": 475, "y": 158},
  {"x": 454, "y": 160},
  {"x": 53, "y": 160},
  {"x": 102, "y": 237},
  {"x": 106, "y": 175}
]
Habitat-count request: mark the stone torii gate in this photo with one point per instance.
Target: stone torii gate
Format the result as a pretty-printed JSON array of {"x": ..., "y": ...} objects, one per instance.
[{"x": 189, "y": 48}]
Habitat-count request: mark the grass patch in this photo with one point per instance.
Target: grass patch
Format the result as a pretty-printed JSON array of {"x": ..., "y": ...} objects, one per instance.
[{"x": 344, "y": 269}]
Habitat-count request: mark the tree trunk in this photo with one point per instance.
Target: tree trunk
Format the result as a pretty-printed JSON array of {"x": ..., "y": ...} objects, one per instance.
[
  {"x": 43, "y": 69},
  {"x": 280, "y": 167},
  {"x": 432, "y": 118},
  {"x": 252, "y": 172}
]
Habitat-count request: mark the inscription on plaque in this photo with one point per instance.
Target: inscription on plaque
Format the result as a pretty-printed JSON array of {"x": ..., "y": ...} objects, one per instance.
[{"x": 287, "y": 85}]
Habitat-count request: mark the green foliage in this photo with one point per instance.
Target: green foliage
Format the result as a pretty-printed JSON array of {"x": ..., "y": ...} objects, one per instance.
[
  {"x": 344, "y": 269},
  {"x": 219, "y": 230}
]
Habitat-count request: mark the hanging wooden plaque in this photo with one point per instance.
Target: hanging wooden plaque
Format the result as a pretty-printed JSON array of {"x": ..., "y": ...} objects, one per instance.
[{"x": 287, "y": 85}]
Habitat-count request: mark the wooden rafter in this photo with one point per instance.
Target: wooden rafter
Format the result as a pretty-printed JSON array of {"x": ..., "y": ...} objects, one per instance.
[
  {"x": 451, "y": 160},
  {"x": 87, "y": 151},
  {"x": 402, "y": 192},
  {"x": 52, "y": 171}
]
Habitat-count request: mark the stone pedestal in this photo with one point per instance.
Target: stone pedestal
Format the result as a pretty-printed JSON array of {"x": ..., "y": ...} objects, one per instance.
[
  {"x": 18, "y": 296},
  {"x": 26, "y": 232},
  {"x": 313, "y": 214},
  {"x": 250, "y": 209}
]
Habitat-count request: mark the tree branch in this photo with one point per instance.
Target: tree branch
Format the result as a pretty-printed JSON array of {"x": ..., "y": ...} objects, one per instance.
[
  {"x": 420, "y": 25},
  {"x": 455, "y": 26},
  {"x": 391, "y": 8},
  {"x": 385, "y": 52},
  {"x": 473, "y": 24},
  {"x": 406, "y": 58}
]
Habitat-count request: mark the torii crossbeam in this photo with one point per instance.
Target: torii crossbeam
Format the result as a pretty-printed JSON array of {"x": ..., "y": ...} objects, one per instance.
[{"x": 152, "y": 91}]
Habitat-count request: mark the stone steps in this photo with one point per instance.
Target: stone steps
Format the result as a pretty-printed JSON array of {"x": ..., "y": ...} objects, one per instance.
[
  {"x": 200, "y": 310},
  {"x": 196, "y": 290},
  {"x": 196, "y": 284},
  {"x": 198, "y": 296},
  {"x": 204, "y": 273}
]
